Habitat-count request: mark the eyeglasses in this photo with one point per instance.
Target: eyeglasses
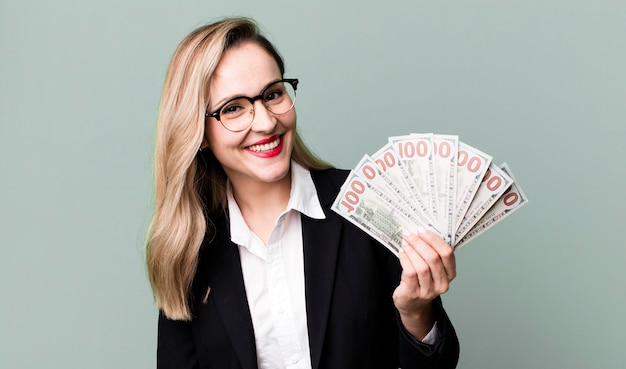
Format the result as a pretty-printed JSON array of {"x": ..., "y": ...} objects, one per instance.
[{"x": 237, "y": 113}]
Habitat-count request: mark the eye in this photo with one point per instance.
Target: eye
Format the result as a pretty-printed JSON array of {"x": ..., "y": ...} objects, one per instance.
[
  {"x": 234, "y": 108},
  {"x": 274, "y": 95}
]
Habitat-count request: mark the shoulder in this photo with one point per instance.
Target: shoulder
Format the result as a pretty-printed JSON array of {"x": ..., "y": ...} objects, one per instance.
[
  {"x": 333, "y": 174},
  {"x": 328, "y": 182}
]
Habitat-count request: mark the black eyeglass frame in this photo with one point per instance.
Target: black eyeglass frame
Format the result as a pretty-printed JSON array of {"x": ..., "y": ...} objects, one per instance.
[{"x": 216, "y": 113}]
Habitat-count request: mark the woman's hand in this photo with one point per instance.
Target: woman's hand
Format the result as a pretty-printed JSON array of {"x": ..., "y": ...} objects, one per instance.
[{"x": 428, "y": 267}]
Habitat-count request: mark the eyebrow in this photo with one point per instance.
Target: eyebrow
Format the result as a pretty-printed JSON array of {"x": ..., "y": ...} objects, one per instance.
[{"x": 235, "y": 96}]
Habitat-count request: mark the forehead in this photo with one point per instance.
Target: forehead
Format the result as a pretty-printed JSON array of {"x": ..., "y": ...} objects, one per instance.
[{"x": 243, "y": 70}]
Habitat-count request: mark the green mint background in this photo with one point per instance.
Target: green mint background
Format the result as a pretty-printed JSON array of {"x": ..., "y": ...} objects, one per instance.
[{"x": 539, "y": 84}]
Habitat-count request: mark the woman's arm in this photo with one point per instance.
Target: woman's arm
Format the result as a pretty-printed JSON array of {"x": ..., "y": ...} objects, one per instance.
[
  {"x": 428, "y": 267},
  {"x": 175, "y": 345}
]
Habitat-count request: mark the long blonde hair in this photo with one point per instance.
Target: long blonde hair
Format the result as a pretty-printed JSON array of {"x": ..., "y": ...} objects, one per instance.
[{"x": 190, "y": 186}]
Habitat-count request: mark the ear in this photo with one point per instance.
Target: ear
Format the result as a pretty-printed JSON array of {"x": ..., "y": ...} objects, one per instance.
[{"x": 205, "y": 142}]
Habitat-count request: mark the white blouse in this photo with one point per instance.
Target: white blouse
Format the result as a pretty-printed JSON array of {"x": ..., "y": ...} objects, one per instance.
[{"x": 273, "y": 276}]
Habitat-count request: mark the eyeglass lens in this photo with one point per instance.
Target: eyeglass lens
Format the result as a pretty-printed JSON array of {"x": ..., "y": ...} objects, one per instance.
[{"x": 278, "y": 98}]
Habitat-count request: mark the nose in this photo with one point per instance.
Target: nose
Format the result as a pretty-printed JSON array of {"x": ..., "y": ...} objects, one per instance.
[{"x": 264, "y": 120}]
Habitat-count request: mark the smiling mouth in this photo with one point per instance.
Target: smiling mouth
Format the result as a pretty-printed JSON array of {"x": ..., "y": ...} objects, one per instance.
[{"x": 265, "y": 147}]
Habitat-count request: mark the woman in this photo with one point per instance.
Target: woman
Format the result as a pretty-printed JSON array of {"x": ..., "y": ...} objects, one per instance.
[{"x": 249, "y": 267}]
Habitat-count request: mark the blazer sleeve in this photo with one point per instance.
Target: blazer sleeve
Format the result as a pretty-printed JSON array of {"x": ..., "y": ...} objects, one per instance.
[
  {"x": 444, "y": 354},
  {"x": 175, "y": 345},
  {"x": 412, "y": 354}
]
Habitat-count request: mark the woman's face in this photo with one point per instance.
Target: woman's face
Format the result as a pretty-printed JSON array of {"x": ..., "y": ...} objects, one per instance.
[{"x": 262, "y": 152}]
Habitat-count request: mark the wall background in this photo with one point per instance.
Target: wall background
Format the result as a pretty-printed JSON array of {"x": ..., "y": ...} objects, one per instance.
[{"x": 539, "y": 84}]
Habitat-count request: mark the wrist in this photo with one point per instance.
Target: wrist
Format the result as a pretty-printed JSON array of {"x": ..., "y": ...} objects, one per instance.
[{"x": 418, "y": 321}]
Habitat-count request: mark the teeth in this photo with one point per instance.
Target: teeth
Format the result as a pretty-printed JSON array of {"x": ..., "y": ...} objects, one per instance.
[{"x": 265, "y": 147}]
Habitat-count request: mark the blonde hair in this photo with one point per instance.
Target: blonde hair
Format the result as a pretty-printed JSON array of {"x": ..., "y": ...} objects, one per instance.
[{"x": 191, "y": 186}]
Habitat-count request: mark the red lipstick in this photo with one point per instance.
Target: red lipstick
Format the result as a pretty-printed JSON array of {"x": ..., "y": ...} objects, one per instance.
[{"x": 266, "y": 148}]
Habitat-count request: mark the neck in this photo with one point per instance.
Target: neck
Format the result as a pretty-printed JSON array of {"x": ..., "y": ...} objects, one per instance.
[
  {"x": 262, "y": 195},
  {"x": 262, "y": 203}
]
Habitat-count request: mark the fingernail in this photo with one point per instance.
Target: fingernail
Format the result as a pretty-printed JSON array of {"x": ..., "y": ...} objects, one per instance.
[
  {"x": 421, "y": 230},
  {"x": 404, "y": 243},
  {"x": 405, "y": 233}
]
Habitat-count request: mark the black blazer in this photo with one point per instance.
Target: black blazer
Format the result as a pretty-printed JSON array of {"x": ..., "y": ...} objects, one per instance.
[{"x": 349, "y": 281}]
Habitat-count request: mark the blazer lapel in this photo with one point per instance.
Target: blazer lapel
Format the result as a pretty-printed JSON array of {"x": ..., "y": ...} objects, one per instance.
[
  {"x": 321, "y": 239},
  {"x": 228, "y": 295},
  {"x": 321, "y": 242}
]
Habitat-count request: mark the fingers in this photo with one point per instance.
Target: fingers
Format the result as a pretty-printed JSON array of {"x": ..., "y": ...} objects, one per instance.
[
  {"x": 428, "y": 266},
  {"x": 442, "y": 248},
  {"x": 429, "y": 259},
  {"x": 416, "y": 272}
]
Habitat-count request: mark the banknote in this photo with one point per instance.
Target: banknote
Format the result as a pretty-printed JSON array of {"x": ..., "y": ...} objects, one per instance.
[
  {"x": 494, "y": 184},
  {"x": 430, "y": 180},
  {"x": 513, "y": 199},
  {"x": 445, "y": 151},
  {"x": 375, "y": 212},
  {"x": 471, "y": 167},
  {"x": 387, "y": 161},
  {"x": 375, "y": 174},
  {"x": 415, "y": 154}
]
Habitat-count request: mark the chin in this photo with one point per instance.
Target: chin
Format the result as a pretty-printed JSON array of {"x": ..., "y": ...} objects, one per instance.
[{"x": 278, "y": 172}]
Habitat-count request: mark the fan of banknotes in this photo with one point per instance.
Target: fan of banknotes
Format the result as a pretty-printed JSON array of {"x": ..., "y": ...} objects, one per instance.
[{"x": 430, "y": 180}]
